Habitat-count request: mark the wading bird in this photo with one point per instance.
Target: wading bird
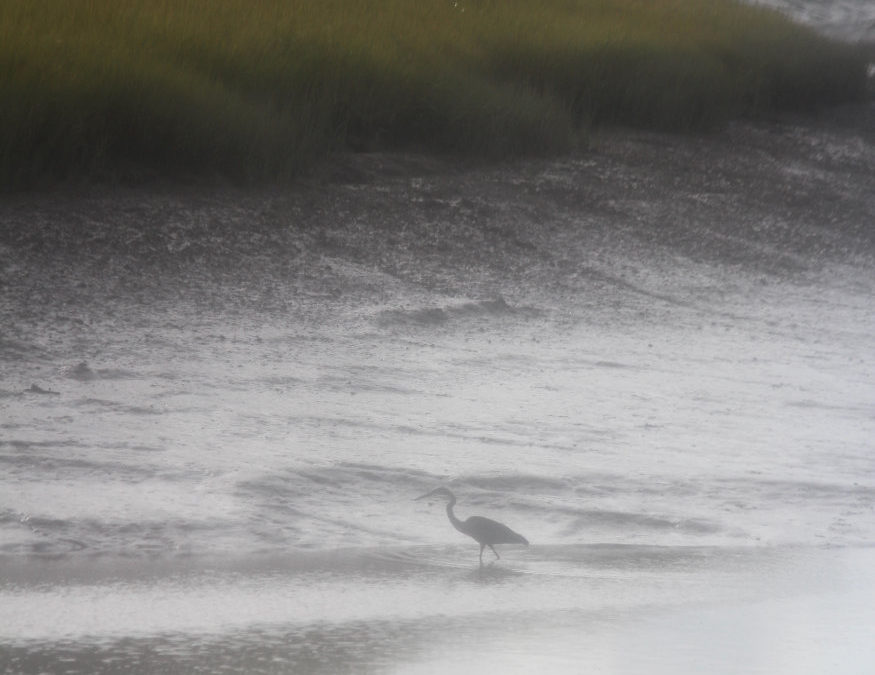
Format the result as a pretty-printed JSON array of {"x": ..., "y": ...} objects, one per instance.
[{"x": 485, "y": 531}]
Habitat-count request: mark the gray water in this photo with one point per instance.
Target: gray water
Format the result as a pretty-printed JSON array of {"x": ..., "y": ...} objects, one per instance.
[
  {"x": 656, "y": 360},
  {"x": 852, "y": 20}
]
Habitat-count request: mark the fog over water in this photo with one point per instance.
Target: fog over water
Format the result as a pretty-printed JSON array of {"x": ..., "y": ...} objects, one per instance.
[{"x": 654, "y": 359}]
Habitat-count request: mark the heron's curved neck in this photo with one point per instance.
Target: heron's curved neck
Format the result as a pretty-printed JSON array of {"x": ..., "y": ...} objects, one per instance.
[{"x": 452, "y": 516}]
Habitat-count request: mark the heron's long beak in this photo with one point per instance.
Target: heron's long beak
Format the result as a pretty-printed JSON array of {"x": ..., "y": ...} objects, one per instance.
[
  {"x": 437, "y": 493},
  {"x": 432, "y": 493}
]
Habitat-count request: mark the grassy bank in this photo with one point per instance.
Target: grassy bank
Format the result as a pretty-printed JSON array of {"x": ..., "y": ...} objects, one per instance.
[{"x": 256, "y": 90}]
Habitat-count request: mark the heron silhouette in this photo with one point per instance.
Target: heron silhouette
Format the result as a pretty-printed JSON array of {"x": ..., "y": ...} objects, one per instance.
[{"x": 484, "y": 531}]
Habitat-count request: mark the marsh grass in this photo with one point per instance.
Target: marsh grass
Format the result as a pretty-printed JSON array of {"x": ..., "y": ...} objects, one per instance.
[{"x": 255, "y": 90}]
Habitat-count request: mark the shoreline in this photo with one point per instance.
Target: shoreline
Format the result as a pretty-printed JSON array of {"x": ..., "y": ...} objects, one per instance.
[{"x": 363, "y": 168}]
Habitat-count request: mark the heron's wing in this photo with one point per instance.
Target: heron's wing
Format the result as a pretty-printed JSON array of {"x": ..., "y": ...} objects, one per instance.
[{"x": 490, "y": 531}]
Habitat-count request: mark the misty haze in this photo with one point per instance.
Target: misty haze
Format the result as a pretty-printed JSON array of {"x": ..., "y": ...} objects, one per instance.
[{"x": 608, "y": 410}]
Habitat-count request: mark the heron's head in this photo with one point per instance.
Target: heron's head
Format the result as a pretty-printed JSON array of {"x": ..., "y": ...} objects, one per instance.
[{"x": 438, "y": 492}]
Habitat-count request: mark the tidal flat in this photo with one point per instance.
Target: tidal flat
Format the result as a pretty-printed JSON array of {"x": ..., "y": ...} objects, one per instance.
[{"x": 654, "y": 359}]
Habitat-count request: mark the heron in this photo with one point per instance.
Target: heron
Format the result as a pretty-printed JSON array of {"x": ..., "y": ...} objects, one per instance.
[{"x": 484, "y": 531}]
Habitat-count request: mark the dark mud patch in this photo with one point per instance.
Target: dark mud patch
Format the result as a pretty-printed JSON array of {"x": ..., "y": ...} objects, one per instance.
[{"x": 784, "y": 199}]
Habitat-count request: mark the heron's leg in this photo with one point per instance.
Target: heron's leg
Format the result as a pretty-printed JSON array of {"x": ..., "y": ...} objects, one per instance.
[
  {"x": 482, "y": 546},
  {"x": 497, "y": 557}
]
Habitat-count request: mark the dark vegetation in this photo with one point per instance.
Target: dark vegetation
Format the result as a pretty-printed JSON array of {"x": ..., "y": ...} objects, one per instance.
[{"x": 101, "y": 89}]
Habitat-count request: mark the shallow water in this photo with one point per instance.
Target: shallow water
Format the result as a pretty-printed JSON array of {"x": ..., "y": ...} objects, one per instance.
[
  {"x": 716, "y": 431},
  {"x": 656, "y": 361},
  {"x": 567, "y": 609}
]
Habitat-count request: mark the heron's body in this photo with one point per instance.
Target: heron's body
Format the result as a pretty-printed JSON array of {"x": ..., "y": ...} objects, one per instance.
[{"x": 484, "y": 531}]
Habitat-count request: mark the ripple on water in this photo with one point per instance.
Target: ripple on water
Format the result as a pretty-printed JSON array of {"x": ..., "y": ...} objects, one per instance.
[
  {"x": 433, "y": 316},
  {"x": 120, "y": 407},
  {"x": 81, "y": 371}
]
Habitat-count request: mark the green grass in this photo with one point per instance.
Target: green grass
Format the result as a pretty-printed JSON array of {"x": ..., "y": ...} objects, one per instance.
[{"x": 258, "y": 90}]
